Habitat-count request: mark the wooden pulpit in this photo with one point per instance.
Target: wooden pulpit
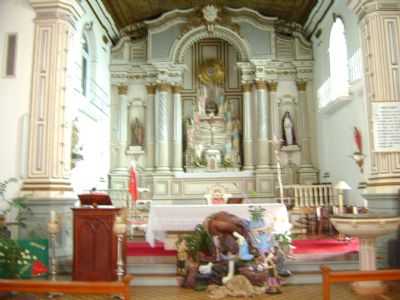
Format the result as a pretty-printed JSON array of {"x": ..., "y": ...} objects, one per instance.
[{"x": 95, "y": 244}]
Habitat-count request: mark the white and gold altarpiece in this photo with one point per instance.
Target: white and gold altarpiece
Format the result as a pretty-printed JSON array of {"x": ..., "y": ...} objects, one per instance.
[{"x": 198, "y": 95}]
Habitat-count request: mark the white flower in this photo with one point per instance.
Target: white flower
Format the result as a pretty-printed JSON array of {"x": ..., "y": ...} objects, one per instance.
[{"x": 210, "y": 13}]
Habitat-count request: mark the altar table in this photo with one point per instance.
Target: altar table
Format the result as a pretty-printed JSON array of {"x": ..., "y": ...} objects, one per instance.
[{"x": 181, "y": 218}]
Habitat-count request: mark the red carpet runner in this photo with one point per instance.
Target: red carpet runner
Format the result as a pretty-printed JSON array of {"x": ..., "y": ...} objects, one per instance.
[
  {"x": 326, "y": 246},
  {"x": 144, "y": 249}
]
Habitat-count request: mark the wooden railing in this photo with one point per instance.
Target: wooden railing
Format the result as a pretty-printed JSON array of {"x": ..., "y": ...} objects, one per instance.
[
  {"x": 311, "y": 195},
  {"x": 69, "y": 287},
  {"x": 329, "y": 277}
]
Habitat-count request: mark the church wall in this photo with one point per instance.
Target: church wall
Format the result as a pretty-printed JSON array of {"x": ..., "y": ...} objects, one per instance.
[
  {"x": 91, "y": 112},
  {"x": 335, "y": 122},
  {"x": 15, "y": 17}
]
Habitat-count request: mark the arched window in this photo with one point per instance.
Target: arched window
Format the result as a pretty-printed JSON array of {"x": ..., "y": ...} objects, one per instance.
[
  {"x": 339, "y": 78},
  {"x": 85, "y": 65}
]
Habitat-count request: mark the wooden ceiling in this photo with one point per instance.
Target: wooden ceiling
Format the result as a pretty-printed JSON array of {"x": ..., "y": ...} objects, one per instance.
[{"x": 126, "y": 12}]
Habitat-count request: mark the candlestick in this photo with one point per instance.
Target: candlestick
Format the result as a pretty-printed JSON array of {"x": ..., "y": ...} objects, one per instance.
[
  {"x": 119, "y": 229},
  {"x": 53, "y": 216},
  {"x": 355, "y": 210}
]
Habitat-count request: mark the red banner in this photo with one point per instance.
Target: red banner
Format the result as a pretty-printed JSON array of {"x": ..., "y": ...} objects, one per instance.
[{"x": 133, "y": 184}]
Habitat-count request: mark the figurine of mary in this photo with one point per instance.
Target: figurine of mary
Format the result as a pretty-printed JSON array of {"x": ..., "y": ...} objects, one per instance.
[{"x": 288, "y": 134}]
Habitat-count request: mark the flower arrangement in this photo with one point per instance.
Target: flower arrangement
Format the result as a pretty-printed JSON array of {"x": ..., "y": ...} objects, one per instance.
[
  {"x": 16, "y": 260},
  {"x": 256, "y": 213}
]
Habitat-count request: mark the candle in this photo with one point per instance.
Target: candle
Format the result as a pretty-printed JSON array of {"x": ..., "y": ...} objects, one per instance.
[
  {"x": 53, "y": 216},
  {"x": 366, "y": 203},
  {"x": 318, "y": 212},
  {"x": 355, "y": 210}
]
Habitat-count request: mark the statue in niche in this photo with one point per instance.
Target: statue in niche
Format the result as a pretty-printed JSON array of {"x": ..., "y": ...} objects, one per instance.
[
  {"x": 288, "y": 134},
  {"x": 137, "y": 133}
]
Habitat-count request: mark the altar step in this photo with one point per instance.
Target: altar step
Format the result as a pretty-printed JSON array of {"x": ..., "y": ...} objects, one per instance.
[{"x": 164, "y": 273}]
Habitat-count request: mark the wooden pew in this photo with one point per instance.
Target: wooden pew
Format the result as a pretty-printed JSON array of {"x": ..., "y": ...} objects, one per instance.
[
  {"x": 329, "y": 277},
  {"x": 68, "y": 287}
]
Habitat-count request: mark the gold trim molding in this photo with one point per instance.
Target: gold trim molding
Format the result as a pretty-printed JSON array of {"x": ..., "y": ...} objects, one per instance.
[
  {"x": 164, "y": 87},
  {"x": 122, "y": 90},
  {"x": 261, "y": 85},
  {"x": 151, "y": 89},
  {"x": 273, "y": 86},
  {"x": 301, "y": 85},
  {"x": 246, "y": 87}
]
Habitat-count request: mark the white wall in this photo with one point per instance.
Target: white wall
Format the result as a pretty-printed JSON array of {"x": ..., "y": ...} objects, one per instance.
[
  {"x": 334, "y": 126},
  {"x": 16, "y": 16},
  {"x": 92, "y": 112}
]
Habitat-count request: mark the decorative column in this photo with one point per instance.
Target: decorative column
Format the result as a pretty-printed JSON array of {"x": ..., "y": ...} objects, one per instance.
[
  {"x": 379, "y": 22},
  {"x": 162, "y": 127},
  {"x": 274, "y": 115},
  {"x": 123, "y": 126},
  {"x": 263, "y": 151},
  {"x": 50, "y": 131},
  {"x": 149, "y": 130},
  {"x": 177, "y": 130},
  {"x": 304, "y": 126},
  {"x": 247, "y": 128}
]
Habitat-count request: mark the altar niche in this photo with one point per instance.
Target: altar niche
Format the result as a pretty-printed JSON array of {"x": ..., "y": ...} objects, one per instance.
[{"x": 212, "y": 121}]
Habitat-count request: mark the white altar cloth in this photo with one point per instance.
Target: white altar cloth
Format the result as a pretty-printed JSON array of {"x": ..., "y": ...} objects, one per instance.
[{"x": 164, "y": 218}]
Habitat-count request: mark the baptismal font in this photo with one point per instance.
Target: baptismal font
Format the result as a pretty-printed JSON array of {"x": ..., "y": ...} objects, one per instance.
[{"x": 213, "y": 133}]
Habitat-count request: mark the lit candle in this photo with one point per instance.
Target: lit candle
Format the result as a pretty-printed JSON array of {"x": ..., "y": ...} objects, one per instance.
[
  {"x": 53, "y": 216},
  {"x": 318, "y": 212}
]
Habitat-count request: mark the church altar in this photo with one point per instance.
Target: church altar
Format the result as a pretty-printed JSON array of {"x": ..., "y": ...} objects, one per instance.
[{"x": 184, "y": 218}]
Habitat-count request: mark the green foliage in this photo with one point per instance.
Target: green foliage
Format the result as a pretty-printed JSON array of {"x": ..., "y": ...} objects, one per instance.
[
  {"x": 198, "y": 241},
  {"x": 256, "y": 213},
  {"x": 284, "y": 239},
  {"x": 17, "y": 203},
  {"x": 14, "y": 260}
]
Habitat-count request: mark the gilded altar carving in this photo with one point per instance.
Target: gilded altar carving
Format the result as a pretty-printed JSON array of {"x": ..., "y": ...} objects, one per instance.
[{"x": 209, "y": 16}]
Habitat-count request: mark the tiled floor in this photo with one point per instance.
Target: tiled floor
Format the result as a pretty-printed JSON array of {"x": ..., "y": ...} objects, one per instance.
[{"x": 306, "y": 292}]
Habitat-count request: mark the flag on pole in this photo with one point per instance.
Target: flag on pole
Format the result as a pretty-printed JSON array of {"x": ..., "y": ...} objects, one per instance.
[{"x": 133, "y": 189}]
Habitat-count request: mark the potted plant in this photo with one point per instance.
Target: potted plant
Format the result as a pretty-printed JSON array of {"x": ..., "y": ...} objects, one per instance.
[{"x": 19, "y": 258}]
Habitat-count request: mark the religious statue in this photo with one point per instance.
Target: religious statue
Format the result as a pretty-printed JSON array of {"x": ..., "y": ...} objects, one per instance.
[
  {"x": 137, "y": 133},
  {"x": 288, "y": 134},
  {"x": 273, "y": 281}
]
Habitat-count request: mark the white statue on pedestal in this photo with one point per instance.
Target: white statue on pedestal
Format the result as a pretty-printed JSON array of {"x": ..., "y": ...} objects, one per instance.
[{"x": 288, "y": 134}]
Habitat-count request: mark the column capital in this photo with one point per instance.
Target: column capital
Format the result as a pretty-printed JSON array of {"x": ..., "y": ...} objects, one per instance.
[
  {"x": 164, "y": 87},
  {"x": 261, "y": 85},
  {"x": 151, "y": 89},
  {"x": 364, "y": 7},
  {"x": 123, "y": 90},
  {"x": 246, "y": 87},
  {"x": 273, "y": 86},
  {"x": 62, "y": 9},
  {"x": 176, "y": 89},
  {"x": 301, "y": 85}
]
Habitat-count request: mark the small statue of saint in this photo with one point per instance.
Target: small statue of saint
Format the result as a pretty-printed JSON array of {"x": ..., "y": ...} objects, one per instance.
[
  {"x": 137, "y": 133},
  {"x": 288, "y": 134}
]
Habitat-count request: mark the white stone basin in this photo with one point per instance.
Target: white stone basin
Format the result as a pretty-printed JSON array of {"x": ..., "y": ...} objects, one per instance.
[{"x": 367, "y": 228}]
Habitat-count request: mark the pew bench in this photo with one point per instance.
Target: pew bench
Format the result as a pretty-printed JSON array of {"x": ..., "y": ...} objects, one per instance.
[
  {"x": 329, "y": 277},
  {"x": 68, "y": 287}
]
